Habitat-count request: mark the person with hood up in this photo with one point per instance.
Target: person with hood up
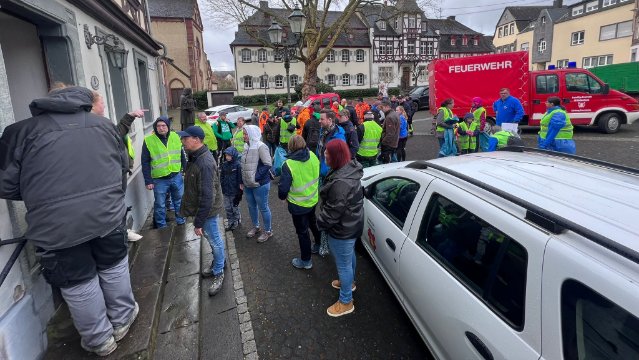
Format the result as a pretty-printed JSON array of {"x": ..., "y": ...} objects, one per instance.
[
  {"x": 75, "y": 211},
  {"x": 288, "y": 127},
  {"x": 341, "y": 216},
  {"x": 187, "y": 107},
  {"x": 231, "y": 179},
  {"x": 329, "y": 131},
  {"x": 223, "y": 131},
  {"x": 555, "y": 132},
  {"x": 299, "y": 186},
  {"x": 479, "y": 115},
  {"x": 336, "y": 108},
  {"x": 256, "y": 179},
  {"x": 203, "y": 200},
  {"x": 350, "y": 132},
  {"x": 162, "y": 163}
]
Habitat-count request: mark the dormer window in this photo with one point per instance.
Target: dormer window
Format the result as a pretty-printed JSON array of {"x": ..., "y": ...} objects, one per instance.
[
  {"x": 464, "y": 41},
  {"x": 453, "y": 41},
  {"x": 543, "y": 20},
  {"x": 475, "y": 41},
  {"x": 381, "y": 25}
]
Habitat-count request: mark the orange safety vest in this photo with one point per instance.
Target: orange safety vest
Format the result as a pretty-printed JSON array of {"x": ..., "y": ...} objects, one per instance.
[
  {"x": 263, "y": 119},
  {"x": 303, "y": 116},
  {"x": 361, "y": 109}
]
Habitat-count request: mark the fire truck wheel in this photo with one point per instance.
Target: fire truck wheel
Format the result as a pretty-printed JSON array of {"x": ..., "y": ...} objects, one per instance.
[{"x": 609, "y": 123}]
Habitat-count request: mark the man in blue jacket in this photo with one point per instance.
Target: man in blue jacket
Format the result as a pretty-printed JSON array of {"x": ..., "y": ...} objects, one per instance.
[
  {"x": 508, "y": 109},
  {"x": 328, "y": 132}
]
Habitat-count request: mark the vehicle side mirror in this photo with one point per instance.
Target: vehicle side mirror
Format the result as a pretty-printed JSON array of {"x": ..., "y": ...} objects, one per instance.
[
  {"x": 606, "y": 89},
  {"x": 368, "y": 192}
]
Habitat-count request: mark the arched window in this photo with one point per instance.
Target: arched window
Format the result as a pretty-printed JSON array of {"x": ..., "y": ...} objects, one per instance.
[
  {"x": 346, "y": 80},
  {"x": 360, "y": 79},
  {"x": 330, "y": 57},
  {"x": 246, "y": 55},
  {"x": 359, "y": 55},
  {"x": 261, "y": 55},
  {"x": 248, "y": 82},
  {"x": 279, "y": 81},
  {"x": 331, "y": 79},
  {"x": 294, "y": 79}
]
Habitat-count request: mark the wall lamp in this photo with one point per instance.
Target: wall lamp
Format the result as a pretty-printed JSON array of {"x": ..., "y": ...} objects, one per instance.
[{"x": 113, "y": 47}]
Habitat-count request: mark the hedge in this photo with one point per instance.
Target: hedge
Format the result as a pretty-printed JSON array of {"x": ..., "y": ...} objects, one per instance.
[
  {"x": 201, "y": 100},
  {"x": 255, "y": 100}
]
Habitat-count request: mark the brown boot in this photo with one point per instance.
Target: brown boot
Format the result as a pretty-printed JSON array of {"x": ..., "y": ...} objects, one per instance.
[
  {"x": 336, "y": 284},
  {"x": 338, "y": 309}
]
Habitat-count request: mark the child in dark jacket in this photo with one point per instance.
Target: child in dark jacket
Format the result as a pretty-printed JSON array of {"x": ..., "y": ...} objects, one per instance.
[{"x": 231, "y": 179}]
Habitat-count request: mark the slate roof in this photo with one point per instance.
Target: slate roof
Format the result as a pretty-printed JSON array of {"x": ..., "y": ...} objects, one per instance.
[
  {"x": 484, "y": 45},
  {"x": 557, "y": 14},
  {"x": 171, "y": 8},
  {"x": 524, "y": 15},
  {"x": 600, "y": 9},
  {"x": 281, "y": 15},
  {"x": 451, "y": 27},
  {"x": 350, "y": 39}
]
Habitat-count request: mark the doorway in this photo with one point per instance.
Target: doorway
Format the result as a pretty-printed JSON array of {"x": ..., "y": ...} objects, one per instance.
[{"x": 405, "y": 84}]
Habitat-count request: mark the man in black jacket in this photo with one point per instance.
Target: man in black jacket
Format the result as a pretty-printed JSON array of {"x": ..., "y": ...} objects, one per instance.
[
  {"x": 350, "y": 132},
  {"x": 311, "y": 131},
  {"x": 76, "y": 211},
  {"x": 203, "y": 200}
]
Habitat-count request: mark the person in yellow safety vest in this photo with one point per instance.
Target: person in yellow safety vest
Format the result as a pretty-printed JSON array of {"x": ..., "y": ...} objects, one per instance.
[
  {"x": 443, "y": 121},
  {"x": 238, "y": 137},
  {"x": 479, "y": 113},
  {"x": 369, "y": 134},
  {"x": 499, "y": 138},
  {"x": 163, "y": 160},
  {"x": 288, "y": 126},
  {"x": 299, "y": 186},
  {"x": 209, "y": 136},
  {"x": 555, "y": 131},
  {"x": 468, "y": 131}
]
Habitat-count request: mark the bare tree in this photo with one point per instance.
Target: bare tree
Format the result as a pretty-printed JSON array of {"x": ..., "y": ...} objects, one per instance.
[{"x": 319, "y": 37}]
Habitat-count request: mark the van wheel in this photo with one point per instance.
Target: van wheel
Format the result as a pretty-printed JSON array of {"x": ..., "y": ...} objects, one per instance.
[{"x": 609, "y": 123}]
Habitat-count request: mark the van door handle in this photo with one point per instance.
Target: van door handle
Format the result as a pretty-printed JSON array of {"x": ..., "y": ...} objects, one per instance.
[
  {"x": 479, "y": 345},
  {"x": 566, "y": 101},
  {"x": 390, "y": 243},
  {"x": 536, "y": 101}
]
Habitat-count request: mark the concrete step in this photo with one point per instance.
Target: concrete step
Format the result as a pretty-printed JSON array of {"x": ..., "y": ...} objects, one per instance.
[{"x": 149, "y": 271}]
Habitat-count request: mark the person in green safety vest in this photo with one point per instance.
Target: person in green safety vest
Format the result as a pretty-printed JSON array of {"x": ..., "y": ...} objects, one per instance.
[
  {"x": 468, "y": 131},
  {"x": 238, "y": 137},
  {"x": 479, "y": 113},
  {"x": 444, "y": 120},
  {"x": 163, "y": 160},
  {"x": 223, "y": 132},
  {"x": 299, "y": 186},
  {"x": 209, "y": 137},
  {"x": 555, "y": 132},
  {"x": 369, "y": 134},
  {"x": 499, "y": 138}
]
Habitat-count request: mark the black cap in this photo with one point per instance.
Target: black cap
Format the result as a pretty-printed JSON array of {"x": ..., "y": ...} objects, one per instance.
[{"x": 194, "y": 131}]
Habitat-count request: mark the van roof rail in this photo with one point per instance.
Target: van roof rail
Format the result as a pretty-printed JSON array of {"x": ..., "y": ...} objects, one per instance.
[
  {"x": 607, "y": 164},
  {"x": 542, "y": 217}
]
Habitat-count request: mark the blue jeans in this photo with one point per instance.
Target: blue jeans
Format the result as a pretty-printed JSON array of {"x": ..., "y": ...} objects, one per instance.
[
  {"x": 211, "y": 231},
  {"x": 257, "y": 199},
  {"x": 174, "y": 186},
  {"x": 344, "y": 253}
]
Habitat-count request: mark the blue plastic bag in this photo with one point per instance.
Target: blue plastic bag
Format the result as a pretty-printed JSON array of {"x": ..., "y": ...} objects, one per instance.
[
  {"x": 449, "y": 148},
  {"x": 484, "y": 139},
  {"x": 278, "y": 161}
]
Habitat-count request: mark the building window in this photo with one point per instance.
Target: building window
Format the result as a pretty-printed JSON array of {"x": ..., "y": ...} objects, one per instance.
[
  {"x": 633, "y": 55},
  {"x": 359, "y": 55},
  {"x": 512, "y": 29},
  {"x": 360, "y": 79},
  {"x": 277, "y": 57},
  {"x": 429, "y": 48},
  {"x": 410, "y": 46},
  {"x": 422, "y": 73},
  {"x": 452, "y": 41},
  {"x": 524, "y": 46},
  {"x": 577, "y": 38},
  {"x": 424, "y": 26},
  {"x": 543, "y": 20},
  {"x": 261, "y": 55},
  {"x": 381, "y": 25},
  {"x": 615, "y": 31},
  {"x": 512, "y": 47},
  {"x": 562, "y": 64},
  {"x": 346, "y": 79},
  {"x": 411, "y": 22},
  {"x": 577, "y": 10},
  {"x": 592, "y": 61},
  {"x": 501, "y": 32},
  {"x": 294, "y": 79},
  {"x": 608, "y": 3},
  {"x": 464, "y": 41},
  {"x": 541, "y": 46},
  {"x": 386, "y": 47},
  {"x": 330, "y": 57},
  {"x": 396, "y": 24},
  {"x": 592, "y": 6},
  {"x": 385, "y": 73},
  {"x": 279, "y": 81},
  {"x": 475, "y": 42},
  {"x": 263, "y": 82},
  {"x": 330, "y": 79},
  {"x": 248, "y": 82},
  {"x": 246, "y": 55},
  {"x": 345, "y": 55}
]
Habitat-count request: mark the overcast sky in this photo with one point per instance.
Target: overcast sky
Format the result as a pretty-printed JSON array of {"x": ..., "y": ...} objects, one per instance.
[{"x": 479, "y": 15}]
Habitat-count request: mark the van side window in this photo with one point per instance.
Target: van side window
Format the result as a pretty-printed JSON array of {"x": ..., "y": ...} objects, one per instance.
[
  {"x": 578, "y": 82},
  {"x": 547, "y": 84},
  {"x": 593, "y": 327},
  {"x": 485, "y": 260},
  {"x": 394, "y": 196},
  {"x": 326, "y": 103}
]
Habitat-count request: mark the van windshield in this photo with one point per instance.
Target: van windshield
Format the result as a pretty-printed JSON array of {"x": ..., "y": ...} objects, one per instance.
[{"x": 307, "y": 103}]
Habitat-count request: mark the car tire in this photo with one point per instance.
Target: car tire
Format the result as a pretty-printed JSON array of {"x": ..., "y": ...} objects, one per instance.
[{"x": 609, "y": 123}]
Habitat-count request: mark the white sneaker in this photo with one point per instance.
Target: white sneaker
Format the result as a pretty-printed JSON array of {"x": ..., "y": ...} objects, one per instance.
[
  {"x": 120, "y": 332},
  {"x": 133, "y": 236}
]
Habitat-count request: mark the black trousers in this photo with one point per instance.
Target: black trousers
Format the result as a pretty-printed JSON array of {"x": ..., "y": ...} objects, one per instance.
[
  {"x": 401, "y": 149},
  {"x": 302, "y": 224},
  {"x": 387, "y": 154}
]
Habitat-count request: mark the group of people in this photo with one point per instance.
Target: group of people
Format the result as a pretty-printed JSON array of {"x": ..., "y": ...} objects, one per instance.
[{"x": 472, "y": 134}]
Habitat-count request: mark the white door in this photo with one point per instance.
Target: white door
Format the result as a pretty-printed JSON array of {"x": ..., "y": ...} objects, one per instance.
[{"x": 471, "y": 277}]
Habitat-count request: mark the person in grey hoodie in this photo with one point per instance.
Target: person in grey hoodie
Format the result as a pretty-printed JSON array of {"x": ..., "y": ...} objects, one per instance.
[{"x": 75, "y": 212}]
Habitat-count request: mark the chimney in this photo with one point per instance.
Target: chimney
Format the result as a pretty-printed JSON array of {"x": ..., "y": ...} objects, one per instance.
[
  {"x": 263, "y": 4},
  {"x": 452, "y": 17},
  {"x": 557, "y": 3}
]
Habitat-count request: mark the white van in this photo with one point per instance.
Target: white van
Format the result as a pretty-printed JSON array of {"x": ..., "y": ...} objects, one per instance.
[{"x": 516, "y": 254}]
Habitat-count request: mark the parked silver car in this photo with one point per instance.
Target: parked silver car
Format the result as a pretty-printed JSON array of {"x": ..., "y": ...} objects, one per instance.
[{"x": 232, "y": 112}]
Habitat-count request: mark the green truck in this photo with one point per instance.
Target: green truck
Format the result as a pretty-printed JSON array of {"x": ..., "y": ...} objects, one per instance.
[{"x": 623, "y": 77}]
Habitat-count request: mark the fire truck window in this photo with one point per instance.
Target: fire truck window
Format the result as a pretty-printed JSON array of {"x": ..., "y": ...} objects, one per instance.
[
  {"x": 547, "y": 84},
  {"x": 577, "y": 83},
  {"x": 595, "y": 87}
]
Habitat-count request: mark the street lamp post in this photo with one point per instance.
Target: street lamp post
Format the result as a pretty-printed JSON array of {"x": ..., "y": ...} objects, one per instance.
[
  {"x": 287, "y": 50},
  {"x": 265, "y": 77}
]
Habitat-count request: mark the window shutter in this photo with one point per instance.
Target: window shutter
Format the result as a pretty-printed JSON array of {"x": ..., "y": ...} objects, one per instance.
[
  {"x": 325, "y": 78},
  {"x": 256, "y": 80},
  {"x": 365, "y": 77}
]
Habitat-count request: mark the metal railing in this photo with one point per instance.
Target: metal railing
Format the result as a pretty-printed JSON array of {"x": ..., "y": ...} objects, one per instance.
[{"x": 14, "y": 256}]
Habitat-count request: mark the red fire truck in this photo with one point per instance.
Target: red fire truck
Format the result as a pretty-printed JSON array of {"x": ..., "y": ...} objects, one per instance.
[{"x": 588, "y": 100}]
